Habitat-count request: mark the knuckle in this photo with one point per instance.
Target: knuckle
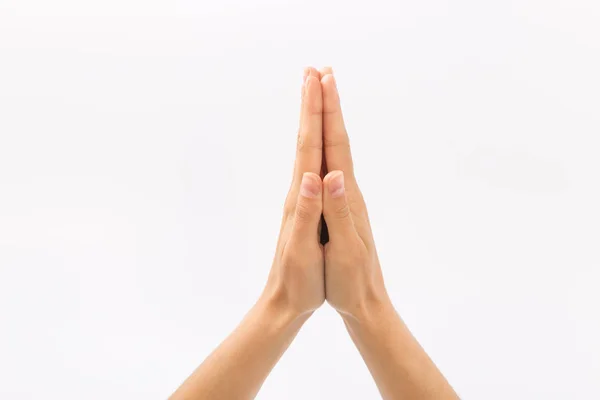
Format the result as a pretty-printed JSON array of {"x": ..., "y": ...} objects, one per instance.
[
  {"x": 342, "y": 211},
  {"x": 341, "y": 140},
  {"x": 304, "y": 211},
  {"x": 333, "y": 108},
  {"x": 288, "y": 210},
  {"x": 312, "y": 108},
  {"x": 289, "y": 206},
  {"x": 304, "y": 144}
]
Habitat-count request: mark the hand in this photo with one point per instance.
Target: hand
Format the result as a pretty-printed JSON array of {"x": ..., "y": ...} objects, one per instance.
[
  {"x": 347, "y": 269},
  {"x": 295, "y": 287},
  {"x": 353, "y": 278},
  {"x": 296, "y": 280}
]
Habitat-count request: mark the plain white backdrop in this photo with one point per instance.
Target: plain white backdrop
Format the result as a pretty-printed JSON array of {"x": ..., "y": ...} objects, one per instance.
[{"x": 146, "y": 148}]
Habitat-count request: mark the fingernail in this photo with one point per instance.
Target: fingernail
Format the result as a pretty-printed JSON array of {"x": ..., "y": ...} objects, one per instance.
[
  {"x": 305, "y": 73},
  {"x": 336, "y": 184},
  {"x": 309, "y": 187}
]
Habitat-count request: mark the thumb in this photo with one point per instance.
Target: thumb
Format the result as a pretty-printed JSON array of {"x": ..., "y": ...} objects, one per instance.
[
  {"x": 308, "y": 207},
  {"x": 335, "y": 207}
]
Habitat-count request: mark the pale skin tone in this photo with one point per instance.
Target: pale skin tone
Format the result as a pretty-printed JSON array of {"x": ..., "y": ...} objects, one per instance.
[{"x": 345, "y": 272}]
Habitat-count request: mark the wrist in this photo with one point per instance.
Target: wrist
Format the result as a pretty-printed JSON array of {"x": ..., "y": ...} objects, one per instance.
[
  {"x": 273, "y": 307},
  {"x": 374, "y": 312}
]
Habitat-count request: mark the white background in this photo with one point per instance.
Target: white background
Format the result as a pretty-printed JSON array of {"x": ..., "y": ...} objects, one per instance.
[{"x": 146, "y": 148}]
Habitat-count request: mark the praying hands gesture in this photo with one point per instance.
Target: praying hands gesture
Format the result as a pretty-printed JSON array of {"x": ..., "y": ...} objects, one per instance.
[{"x": 345, "y": 271}]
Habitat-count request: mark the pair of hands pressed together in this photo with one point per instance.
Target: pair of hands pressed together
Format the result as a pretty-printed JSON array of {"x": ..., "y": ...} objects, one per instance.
[{"x": 345, "y": 271}]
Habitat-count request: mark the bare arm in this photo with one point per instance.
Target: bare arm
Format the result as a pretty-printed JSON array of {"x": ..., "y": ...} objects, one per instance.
[
  {"x": 353, "y": 278},
  {"x": 295, "y": 288},
  {"x": 399, "y": 365},
  {"x": 239, "y": 366}
]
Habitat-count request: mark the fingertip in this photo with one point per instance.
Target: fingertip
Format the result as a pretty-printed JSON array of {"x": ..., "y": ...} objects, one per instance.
[
  {"x": 311, "y": 185},
  {"x": 308, "y": 72},
  {"x": 312, "y": 93},
  {"x": 330, "y": 93},
  {"x": 330, "y": 175},
  {"x": 326, "y": 71},
  {"x": 328, "y": 81},
  {"x": 313, "y": 177},
  {"x": 306, "y": 86},
  {"x": 305, "y": 74},
  {"x": 312, "y": 71},
  {"x": 334, "y": 181}
]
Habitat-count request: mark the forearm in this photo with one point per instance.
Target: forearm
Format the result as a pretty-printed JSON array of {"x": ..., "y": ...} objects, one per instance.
[
  {"x": 399, "y": 365},
  {"x": 239, "y": 366}
]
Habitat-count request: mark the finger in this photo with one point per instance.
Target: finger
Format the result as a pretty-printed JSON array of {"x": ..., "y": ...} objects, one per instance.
[
  {"x": 309, "y": 71},
  {"x": 326, "y": 71},
  {"x": 322, "y": 72},
  {"x": 310, "y": 134},
  {"x": 335, "y": 138},
  {"x": 335, "y": 207},
  {"x": 309, "y": 207}
]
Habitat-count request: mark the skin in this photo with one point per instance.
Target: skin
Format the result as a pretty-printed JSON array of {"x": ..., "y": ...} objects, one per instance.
[
  {"x": 353, "y": 277},
  {"x": 345, "y": 272}
]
